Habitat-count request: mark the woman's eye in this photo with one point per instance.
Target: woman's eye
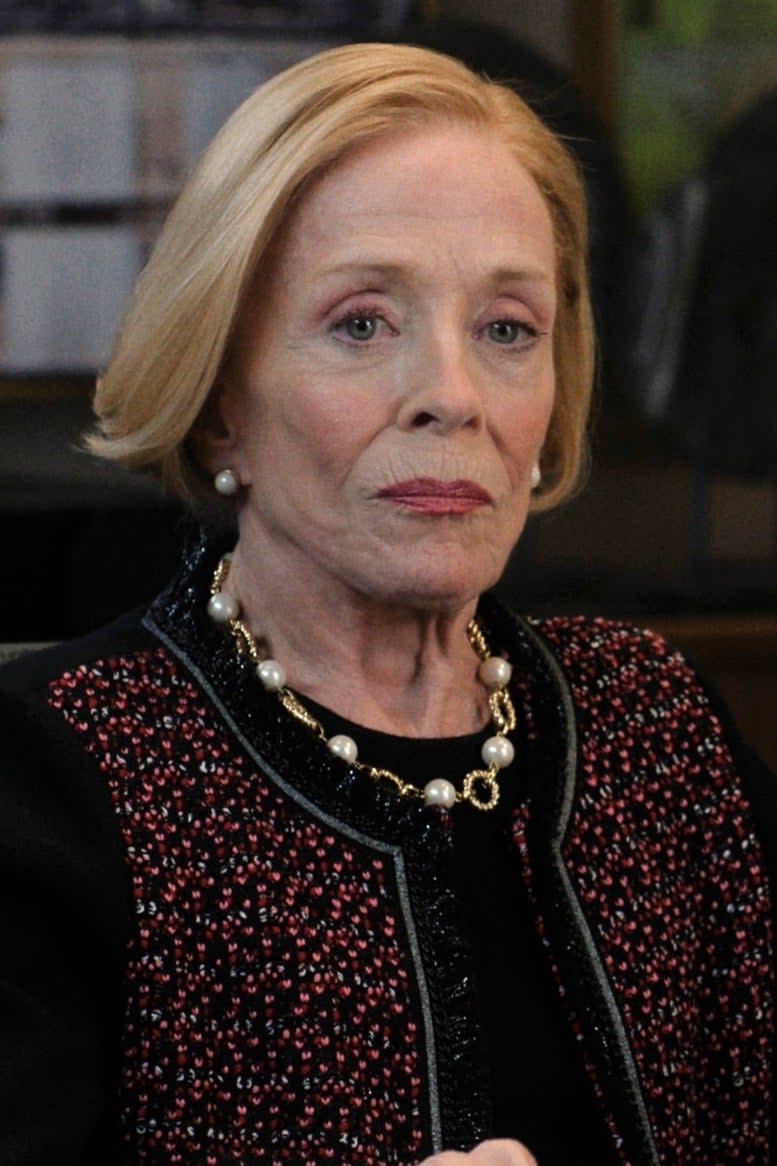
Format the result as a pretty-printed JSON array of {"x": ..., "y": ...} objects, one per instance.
[
  {"x": 508, "y": 331},
  {"x": 360, "y": 326}
]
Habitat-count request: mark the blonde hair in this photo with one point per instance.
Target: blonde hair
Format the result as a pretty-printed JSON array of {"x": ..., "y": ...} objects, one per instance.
[{"x": 173, "y": 340}]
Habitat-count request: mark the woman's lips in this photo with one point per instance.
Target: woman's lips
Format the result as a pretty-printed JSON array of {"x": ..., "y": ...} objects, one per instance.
[{"x": 431, "y": 496}]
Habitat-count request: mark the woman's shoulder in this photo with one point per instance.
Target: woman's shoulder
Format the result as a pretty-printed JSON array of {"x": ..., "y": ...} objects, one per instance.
[
  {"x": 613, "y": 651},
  {"x": 37, "y": 741},
  {"x": 603, "y": 639},
  {"x": 622, "y": 675},
  {"x": 50, "y": 695},
  {"x": 628, "y": 681},
  {"x": 27, "y": 671},
  {"x": 619, "y": 670},
  {"x": 619, "y": 656},
  {"x": 128, "y": 652}
]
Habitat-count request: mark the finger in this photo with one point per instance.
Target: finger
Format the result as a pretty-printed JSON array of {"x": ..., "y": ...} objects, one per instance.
[
  {"x": 501, "y": 1152},
  {"x": 494, "y": 1152}
]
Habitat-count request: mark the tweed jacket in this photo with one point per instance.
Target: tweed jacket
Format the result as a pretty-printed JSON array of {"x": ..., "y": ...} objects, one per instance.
[{"x": 240, "y": 950}]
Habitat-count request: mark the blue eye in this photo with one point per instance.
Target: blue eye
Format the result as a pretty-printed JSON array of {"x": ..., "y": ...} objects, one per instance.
[
  {"x": 508, "y": 331},
  {"x": 360, "y": 327}
]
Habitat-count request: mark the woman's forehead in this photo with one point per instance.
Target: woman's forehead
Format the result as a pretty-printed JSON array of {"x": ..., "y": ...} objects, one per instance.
[{"x": 385, "y": 199}]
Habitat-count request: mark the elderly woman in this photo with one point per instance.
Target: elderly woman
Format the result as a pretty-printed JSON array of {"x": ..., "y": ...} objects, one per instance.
[{"x": 326, "y": 856}]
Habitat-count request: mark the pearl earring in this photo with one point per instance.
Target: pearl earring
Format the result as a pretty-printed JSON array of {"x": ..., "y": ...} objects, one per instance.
[
  {"x": 226, "y": 482},
  {"x": 536, "y": 476}
]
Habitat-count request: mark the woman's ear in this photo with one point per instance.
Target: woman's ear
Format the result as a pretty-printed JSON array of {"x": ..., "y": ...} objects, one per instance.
[{"x": 213, "y": 437}]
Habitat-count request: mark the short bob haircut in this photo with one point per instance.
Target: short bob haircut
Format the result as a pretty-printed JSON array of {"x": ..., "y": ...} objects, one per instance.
[{"x": 175, "y": 336}]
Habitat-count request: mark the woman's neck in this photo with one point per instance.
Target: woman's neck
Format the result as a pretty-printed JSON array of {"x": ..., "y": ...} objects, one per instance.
[{"x": 399, "y": 669}]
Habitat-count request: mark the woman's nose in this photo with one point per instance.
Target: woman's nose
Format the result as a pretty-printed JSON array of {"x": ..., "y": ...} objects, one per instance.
[{"x": 443, "y": 393}]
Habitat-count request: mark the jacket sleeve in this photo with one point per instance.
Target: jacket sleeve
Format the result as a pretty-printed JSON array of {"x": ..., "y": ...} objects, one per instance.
[
  {"x": 64, "y": 906},
  {"x": 760, "y": 787}
]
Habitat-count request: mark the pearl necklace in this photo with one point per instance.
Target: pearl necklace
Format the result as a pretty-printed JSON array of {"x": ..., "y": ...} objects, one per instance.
[{"x": 480, "y": 787}]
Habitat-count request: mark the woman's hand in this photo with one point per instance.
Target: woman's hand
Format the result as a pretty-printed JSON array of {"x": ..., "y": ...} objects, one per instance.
[{"x": 496, "y": 1152}]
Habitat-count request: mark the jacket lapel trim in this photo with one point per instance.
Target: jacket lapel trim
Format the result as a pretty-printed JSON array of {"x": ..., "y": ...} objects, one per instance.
[
  {"x": 394, "y": 852},
  {"x": 573, "y": 944}
]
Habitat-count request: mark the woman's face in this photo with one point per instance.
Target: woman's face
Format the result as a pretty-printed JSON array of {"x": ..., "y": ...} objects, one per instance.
[{"x": 391, "y": 384}]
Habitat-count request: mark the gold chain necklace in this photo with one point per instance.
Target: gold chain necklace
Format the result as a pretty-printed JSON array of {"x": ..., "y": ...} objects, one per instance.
[{"x": 480, "y": 787}]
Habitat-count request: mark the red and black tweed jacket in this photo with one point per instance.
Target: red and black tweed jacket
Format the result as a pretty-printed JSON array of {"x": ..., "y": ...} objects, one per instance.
[{"x": 264, "y": 952}]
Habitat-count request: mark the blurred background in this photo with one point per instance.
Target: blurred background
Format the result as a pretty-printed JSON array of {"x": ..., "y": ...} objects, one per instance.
[{"x": 671, "y": 108}]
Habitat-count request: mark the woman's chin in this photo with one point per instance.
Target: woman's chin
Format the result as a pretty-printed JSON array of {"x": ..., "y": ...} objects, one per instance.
[{"x": 439, "y": 586}]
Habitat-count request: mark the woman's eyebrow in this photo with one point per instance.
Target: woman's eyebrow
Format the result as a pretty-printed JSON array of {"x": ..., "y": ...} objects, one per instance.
[
  {"x": 365, "y": 268},
  {"x": 525, "y": 274}
]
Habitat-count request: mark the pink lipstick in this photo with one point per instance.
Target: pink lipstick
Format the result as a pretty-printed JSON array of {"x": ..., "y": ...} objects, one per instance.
[{"x": 432, "y": 496}]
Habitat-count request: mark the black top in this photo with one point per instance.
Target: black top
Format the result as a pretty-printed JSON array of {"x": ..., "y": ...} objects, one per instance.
[{"x": 534, "y": 1061}]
